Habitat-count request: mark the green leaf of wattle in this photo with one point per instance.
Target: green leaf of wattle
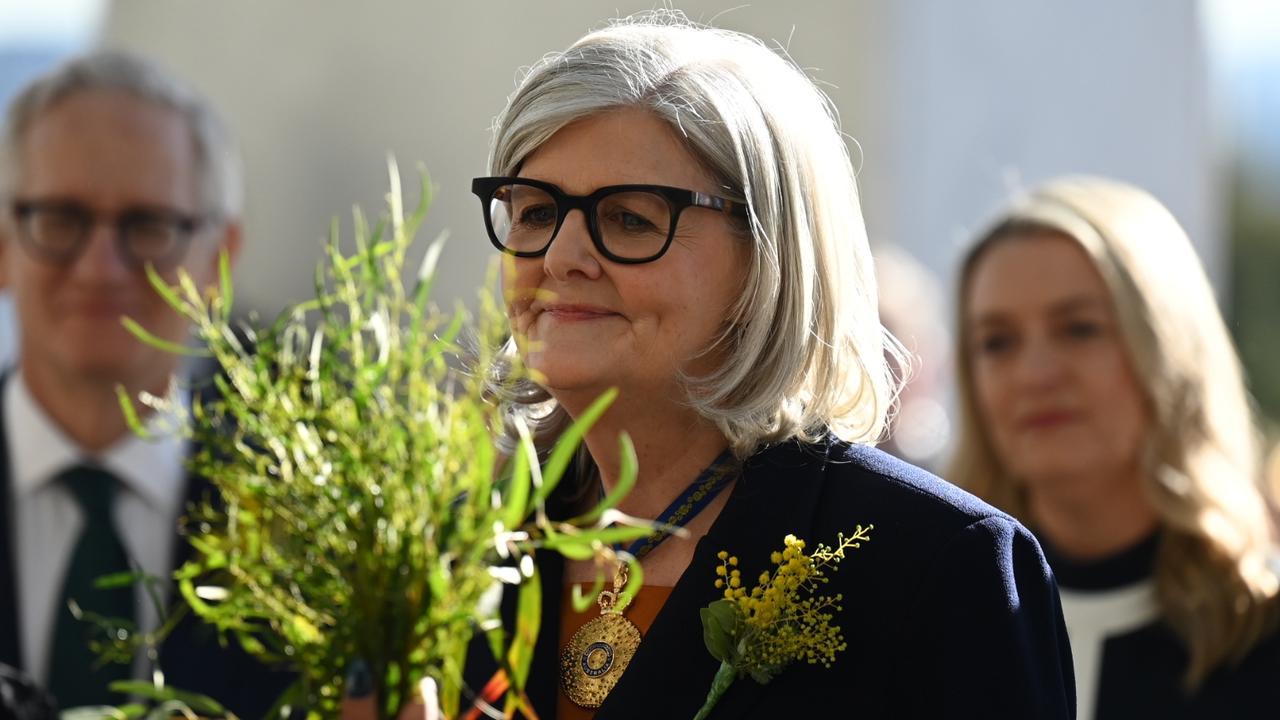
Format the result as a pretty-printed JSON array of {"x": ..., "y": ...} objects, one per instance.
[{"x": 719, "y": 626}]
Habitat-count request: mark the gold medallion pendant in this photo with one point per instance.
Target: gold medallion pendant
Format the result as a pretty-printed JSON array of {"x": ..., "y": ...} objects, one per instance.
[{"x": 600, "y": 651}]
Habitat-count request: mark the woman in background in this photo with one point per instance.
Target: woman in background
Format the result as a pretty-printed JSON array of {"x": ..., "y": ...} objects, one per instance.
[{"x": 1102, "y": 403}]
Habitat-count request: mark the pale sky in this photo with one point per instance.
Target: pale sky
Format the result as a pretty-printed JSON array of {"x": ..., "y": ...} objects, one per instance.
[
  {"x": 1243, "y": 31},
  {"x": 50, "y": 22}
]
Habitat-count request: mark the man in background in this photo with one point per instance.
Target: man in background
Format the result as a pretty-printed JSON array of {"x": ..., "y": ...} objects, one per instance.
[{"x": 108, "y": 165}]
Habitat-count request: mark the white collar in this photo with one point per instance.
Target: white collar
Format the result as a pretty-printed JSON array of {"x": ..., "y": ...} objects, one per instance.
[{"x": 39, "y": 450}]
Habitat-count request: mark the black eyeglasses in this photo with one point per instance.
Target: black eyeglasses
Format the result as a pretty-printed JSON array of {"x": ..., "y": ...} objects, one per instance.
[
  {"x": 628, "y": 223},
  {"x": 56, "y": 232}
]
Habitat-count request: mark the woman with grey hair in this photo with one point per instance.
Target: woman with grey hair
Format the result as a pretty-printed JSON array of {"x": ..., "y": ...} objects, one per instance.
[
  {"x": 1102, "y": 402},
  {"x": 682, "y": 223}
]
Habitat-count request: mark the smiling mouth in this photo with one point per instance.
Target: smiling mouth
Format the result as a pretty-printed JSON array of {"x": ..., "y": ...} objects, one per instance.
[
  {"x": 1048, "y": 420},
  {"x": 577, "y": 313}
]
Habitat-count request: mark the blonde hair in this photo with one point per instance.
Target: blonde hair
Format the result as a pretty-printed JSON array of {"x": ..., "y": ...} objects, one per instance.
[
  {"x": 1215, "y": 585},
  {"x": 804, "y": 348}
]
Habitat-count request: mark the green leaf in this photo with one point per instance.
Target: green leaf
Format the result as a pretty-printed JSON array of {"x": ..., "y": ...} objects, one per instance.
[
  {"x": 524, "y": 706},
  {"x": 528, "y": 621},
  {"x": 200, "y": 703},
  {"x": 162, "y": 287},
  {"x": 438, "y": 580},
  {"x": 395, "y": 196},
  {"x": 427, "y": 270},
  {"x": 720, "y": 622},
  {"x": 187, "y": 588},
  {"x": 251, "y": 644},
  {"x": 497, "y": 639},
  {"x": 605, "y": 536},
  {"x": 520, "y": 482},
  {"x": 119, "y": 580},
  {"x": 224, "y": 279},
  {"x": 575, "y": 551},
  {"x": 582, "y": 601},
  {"x": 635, "y": 581},
  {"x": 160, "y": 343},
  {"x": 568, "y": 443},
  {"x": 131, "y": 413},
  {"x": 628, "y": 471},
  {"x": 132, "y": 710},
  {"x": 169, "y": 710},
  {"x": 188, "y": 286},
  {"x": 425, "y": 196}
]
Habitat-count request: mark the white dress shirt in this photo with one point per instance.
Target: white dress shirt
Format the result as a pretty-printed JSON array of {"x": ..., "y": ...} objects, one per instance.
[
  {"x": 48, "y": 521},
  {"x": 8, "y": 332}
]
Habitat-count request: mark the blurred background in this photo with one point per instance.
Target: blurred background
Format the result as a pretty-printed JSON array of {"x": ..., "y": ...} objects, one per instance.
[{"x": 948, "y": 106}]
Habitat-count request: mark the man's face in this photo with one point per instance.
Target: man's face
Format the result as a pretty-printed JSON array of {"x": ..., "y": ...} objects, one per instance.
[{"x": 112, "y": 155}]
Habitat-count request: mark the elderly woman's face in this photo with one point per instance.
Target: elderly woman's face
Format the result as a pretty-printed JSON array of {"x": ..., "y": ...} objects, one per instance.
[
  {"x": 1050, "y": 374},
  {"x": 591, "y": 323}
]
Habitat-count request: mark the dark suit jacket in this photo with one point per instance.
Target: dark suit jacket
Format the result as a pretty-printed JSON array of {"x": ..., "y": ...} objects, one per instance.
[
  {"x": 949, "y": 612},
  {"x": 192, "y": 658}
]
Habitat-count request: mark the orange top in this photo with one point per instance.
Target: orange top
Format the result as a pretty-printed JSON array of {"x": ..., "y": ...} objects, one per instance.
[{"x": 642, "y": 610}]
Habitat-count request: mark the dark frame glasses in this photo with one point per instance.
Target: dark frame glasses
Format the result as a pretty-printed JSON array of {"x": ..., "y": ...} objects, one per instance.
[
  {"x": 131, "y": 227},
  {"x": 489, "y": 189}
]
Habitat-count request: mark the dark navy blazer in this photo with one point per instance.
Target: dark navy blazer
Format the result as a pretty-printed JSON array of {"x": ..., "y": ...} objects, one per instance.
[
  {"x": 949, "y": 612},
  {"x": 192, "y": 658}
]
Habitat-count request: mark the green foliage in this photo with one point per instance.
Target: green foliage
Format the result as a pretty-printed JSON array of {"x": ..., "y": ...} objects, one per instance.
[
  {"x": 118, "y": 640},
  {"x": 720, "y": 628},
  {"x": 194, "y": 702},
  {"x": 1255, "y": 289},
  {"x": 363, "y": 505}
]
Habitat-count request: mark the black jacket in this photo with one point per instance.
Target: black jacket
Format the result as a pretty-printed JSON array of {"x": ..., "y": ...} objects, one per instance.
[
  {"x": 949, "y": 612},
  {"x": 1142, "y": 669}
]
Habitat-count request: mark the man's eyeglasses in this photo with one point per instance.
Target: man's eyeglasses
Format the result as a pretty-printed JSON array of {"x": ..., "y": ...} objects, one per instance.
[
  {"x": 56, "y": 232},
  {"x": 628, "y": 223}
]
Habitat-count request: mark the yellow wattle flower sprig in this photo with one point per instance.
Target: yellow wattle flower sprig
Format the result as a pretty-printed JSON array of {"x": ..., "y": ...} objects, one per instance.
[{"x": 782, "y": 619}]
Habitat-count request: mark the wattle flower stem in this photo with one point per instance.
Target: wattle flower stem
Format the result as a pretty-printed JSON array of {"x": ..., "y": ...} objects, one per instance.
[{"x": 724, "y": 678}]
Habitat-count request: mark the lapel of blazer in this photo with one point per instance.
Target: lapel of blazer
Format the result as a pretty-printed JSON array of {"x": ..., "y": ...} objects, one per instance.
[
  {"x": 778, "y": 494},
  {"x": 10, "y": 648}
]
